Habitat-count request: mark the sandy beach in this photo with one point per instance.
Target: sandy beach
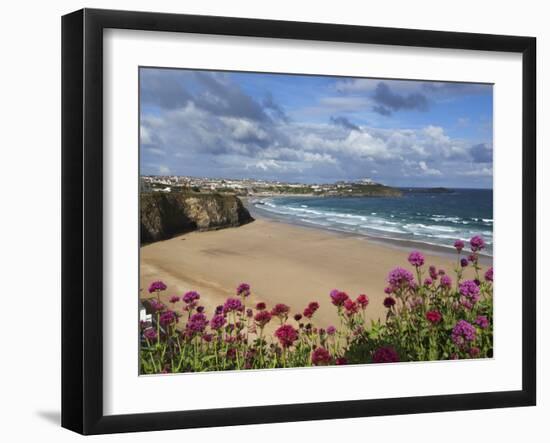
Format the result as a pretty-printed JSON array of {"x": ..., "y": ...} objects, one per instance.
[{"x": 283, "y": 263}]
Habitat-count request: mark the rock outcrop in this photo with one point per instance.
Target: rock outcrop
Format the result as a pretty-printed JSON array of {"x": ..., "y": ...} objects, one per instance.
[{"x": 164, "y": 215}]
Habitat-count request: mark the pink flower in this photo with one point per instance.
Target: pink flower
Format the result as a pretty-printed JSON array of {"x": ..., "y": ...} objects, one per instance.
[
  {"x": 434, "y": 317},
  {"x": 470, "y": 290},
  {"x": 362, "y": 301},
  {"x": 262, "y": 318},
  {"x": 280, "y": 310},
  {"x": 150, "y": 334},
  {"x": 446, "y": 281},
  {"x": 197, "y": 323},
  {"x": 477, "y": 243},
  {"x": 463, "y": 332},
  {"x": 489, "y": 274},
  {"x": 217, "y": 322},
  {"x": 416, "y": 259},
  {"x": 320, "y": 356},
  {"x": 174, "y": 299},
  {"x": 232, "y": 304},
  {"x": 157, "y": 306},
  {"x": 190, "y": 297},
  {"x": 385, "y": 354},
  {"x": 311, "y": 309},
  {"x": 351, "y": 307},
  {"x": 338, "y": 298},
  {"x": 459, "y": 245},
  {"x": 286, "y": 335},
  {"x": 400, "y": 278},
  {"x": 474, "y": 352},
  {"x": 157, "y": 286},
  {"x": 243, "y": 290},
  {"x": 482, "y": 321},
  {"x": 167, "y": 318}
]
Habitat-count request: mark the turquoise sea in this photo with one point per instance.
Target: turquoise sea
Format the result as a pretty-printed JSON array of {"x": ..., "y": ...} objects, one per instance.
[{"x": 422, "y": 216}]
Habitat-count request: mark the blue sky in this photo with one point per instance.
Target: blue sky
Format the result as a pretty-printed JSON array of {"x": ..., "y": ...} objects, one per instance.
[{"x": 315, "y": 129}]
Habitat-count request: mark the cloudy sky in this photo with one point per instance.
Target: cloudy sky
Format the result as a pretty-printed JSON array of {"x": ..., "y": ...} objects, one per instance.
[{"x": 315, "y": 129}]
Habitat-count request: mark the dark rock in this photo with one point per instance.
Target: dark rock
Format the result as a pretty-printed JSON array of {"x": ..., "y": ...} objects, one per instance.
[{"x": 164, "y": 215}]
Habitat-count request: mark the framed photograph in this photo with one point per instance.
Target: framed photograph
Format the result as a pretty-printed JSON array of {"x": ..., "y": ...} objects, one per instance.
[{"x": 269, "y": 221}]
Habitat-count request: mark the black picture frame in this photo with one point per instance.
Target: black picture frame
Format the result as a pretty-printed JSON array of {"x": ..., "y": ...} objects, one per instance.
[{"x": 82, "y": 218}]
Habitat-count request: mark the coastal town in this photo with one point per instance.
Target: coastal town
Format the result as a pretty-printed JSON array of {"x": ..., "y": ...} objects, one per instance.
[{"x": 257, "y": 187}]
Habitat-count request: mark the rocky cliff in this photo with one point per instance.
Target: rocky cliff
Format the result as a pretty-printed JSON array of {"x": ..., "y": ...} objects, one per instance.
[{"x": 164, "y": 215}]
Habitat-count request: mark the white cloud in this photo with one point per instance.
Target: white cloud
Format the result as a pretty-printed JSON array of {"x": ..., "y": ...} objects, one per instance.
[
  {"x": 482, "y": 172},
  {"x": 428, "y": 171}
]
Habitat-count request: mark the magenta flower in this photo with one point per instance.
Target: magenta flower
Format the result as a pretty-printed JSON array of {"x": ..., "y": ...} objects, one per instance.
[
  {"x": 280, "y": 310},
  {"x": 462, "y": 333},
  {"x": 232, "y": 304},
  {"x": 434, "y": 317},
  {"x": 474, "y": 352},
  {"x": 150, "y": 334},
  {"x": 286, "y": 335},
  {"x": 340, "y": 361},
  {"x": 197, "y": 323},
  {"x": 338, "y": 298},
  {"x": 477, "y": 243},
  {"x": 311, "y": 309},
  {"x": 297, "y": 317},
  {"x": 174, "y": 299},
  {"x": 400, "y": 278},
  {"x": 416, "y": 259},
  {"x": 351, "y": 307},
  {"x": 308, "y": 313},
  {"x": 489, "y": 274},
  {"x": 459, "y": 245},
  {"x": 167, "y": 318},
  {"x": 463, "y": 262},
  {"x": 389, "y": 302},
  {"x": 363, "y": 301},
  {"x": 385, "y": 354},
  {"x": 243, "y": 290},
  {"x": 482, "y": 321},
  {"x": 157, "y": 286},
  {"x": 157, "y": 306},
  {"x": 428, "y": 281},
  {"x": 331, "y": 330},
  {"x": 313, "y": 306},
  {"x": 320, "y": 356},
  {"x": 446, "y": 282},
  {"x": 217, "y": 322},
  {"x": 260, "y": 306},
  {"x": 262, "y": 318},
  {"x": 433, "y": 272},
  {"x": 470, "y": 290},
  {"x": 190, "y": 297}
]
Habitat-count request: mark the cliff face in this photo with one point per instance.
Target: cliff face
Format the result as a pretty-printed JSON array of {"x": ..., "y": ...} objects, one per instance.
[{"x": 165, "y": 215}]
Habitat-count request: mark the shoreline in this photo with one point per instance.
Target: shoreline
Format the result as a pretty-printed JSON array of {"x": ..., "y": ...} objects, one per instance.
[
  {"x": 283, "y": 263},
  {"x": 399, "y": 244}
]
